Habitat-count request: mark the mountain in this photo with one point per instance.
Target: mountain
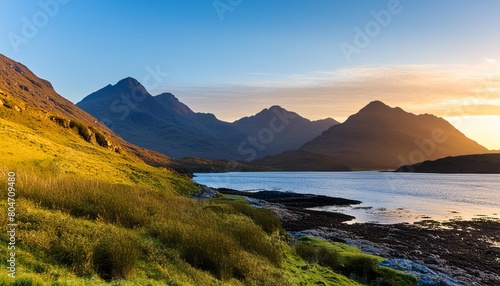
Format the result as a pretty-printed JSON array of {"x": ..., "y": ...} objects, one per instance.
[
  {"x": 284, "y": 129},
  {"x": 129, "y": 110},
  {"x": 170, "y": 101},
  {"x": 164, "y": 124},
  {"x": 92, "y": 213},
  {"x": 483, "y": 163},
  {"x": 381, "y": 137},
  {"x": 300, "y": 160},
  {"x": 34, "y": 99}
]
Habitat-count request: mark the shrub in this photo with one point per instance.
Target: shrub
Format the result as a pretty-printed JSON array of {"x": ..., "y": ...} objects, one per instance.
[
  {"x": 60, "y": 121},
  {"x": 115, "y": 255},
  {"x": 82, "y": 130},
  {"x": 262, "y": 217},
  {"x": 361, "y": 268},
  {"x": 251, "y": 238},
  {"x": 395, "y": 278},
  {"x": 72, "y": 250},
  {"x": 321, "y": 255},
  {"x": 7, "y": 104},
  {"x": 350, "y": 262},
  {"x": 101, "y": 140}
]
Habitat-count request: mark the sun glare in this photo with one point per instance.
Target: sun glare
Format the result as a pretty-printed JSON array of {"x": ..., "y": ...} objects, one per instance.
[{"x": 483, "y": 129}]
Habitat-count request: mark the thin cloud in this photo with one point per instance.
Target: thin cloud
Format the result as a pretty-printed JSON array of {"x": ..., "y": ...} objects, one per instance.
[
  {"x": 490, "y": 60},
  {"x": 339, "y": 93}
]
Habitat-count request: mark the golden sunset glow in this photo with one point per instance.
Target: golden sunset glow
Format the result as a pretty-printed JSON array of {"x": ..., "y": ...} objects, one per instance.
[
  {"x": 468, "y": 93},
  {"x": 483, "y": 129}
]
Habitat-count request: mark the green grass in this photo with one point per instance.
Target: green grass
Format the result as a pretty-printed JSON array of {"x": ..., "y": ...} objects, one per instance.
[
  {"x": 50, "y": 150},
  {"x": 76, "y": 231},
  {"x": 110, "y": 247},
  {"x": 302, "y": 272},
  {"x": 234, "y": 198},
  {"x": 351, "y": 262},
  {"x": 91, "y": 216}
]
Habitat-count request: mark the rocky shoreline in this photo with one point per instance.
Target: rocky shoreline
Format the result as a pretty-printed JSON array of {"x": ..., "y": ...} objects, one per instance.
[{"x": 466, "y": 251}]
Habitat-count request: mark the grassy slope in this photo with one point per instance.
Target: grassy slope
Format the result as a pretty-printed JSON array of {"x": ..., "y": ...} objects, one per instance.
[
  {"x": 88, "y": 216},
  {"x": 32, "y": 142}
]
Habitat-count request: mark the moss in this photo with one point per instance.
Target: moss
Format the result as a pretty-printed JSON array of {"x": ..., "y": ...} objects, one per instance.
[
  {"x": 350, "y": 261},
  {"x": 393, "y": 277}
]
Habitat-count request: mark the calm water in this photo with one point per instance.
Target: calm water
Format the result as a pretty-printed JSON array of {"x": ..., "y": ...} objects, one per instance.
[{"x": 386, "y": 197}]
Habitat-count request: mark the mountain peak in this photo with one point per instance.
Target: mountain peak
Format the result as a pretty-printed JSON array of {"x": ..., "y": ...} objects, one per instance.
[
  {"x": 378, "y": 108},
  {"x": 129, "y": 82},
  {"x": 170, "y": 101},
  {"x": 376, "y": 105},
  {"x": 276, "y": 107},
  {"x": 384, "y": 137},
  {"x": 128, "y": 86}
]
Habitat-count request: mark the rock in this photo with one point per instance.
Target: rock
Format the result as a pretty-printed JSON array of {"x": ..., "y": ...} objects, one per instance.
[
  {"x": 426, "y": 276},
  {"x": 417, "y": 252},
  {"x": 206, "y": 193}
]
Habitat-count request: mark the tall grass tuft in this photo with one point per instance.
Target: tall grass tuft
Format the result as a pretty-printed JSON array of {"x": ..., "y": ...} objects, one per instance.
[
  {"x": 321, "y": 255},
  {"x": 262, "y": 217},
  {"x": 115, "y": 255},
  {"x": 72, "y": 250}
]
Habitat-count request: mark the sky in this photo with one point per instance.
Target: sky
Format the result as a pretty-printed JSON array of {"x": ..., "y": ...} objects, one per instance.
[{"x": 233, "y": 58}]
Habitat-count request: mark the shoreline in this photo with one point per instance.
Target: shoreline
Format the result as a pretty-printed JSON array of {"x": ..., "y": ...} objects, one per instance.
[{"x": 466, "y": 250}]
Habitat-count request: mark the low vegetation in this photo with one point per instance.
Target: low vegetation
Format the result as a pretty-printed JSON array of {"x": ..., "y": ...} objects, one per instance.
[
  {"x": 102, "y": 231},
  {"x": 80, "y": 231},
  {"x": 351, "y": 262},
  {"x": 88, "y": 215}
]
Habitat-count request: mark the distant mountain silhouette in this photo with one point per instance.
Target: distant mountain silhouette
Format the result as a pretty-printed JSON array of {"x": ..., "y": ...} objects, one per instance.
[
  {"x": 300, "y": 160},
  {"x": 381, "y": 137},
  {"x": 287, "y": 130},
  {"x": 483, "y": 163},
  {"x": 165, "y": 124},
  {"x": 160, "y": 124}
]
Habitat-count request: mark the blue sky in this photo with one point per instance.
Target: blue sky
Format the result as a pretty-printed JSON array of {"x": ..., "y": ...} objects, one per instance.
[{"x": 265, "y": 52}]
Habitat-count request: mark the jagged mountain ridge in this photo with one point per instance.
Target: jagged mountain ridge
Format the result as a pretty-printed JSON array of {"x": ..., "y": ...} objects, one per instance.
[{"x": 165, "y": 124}]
